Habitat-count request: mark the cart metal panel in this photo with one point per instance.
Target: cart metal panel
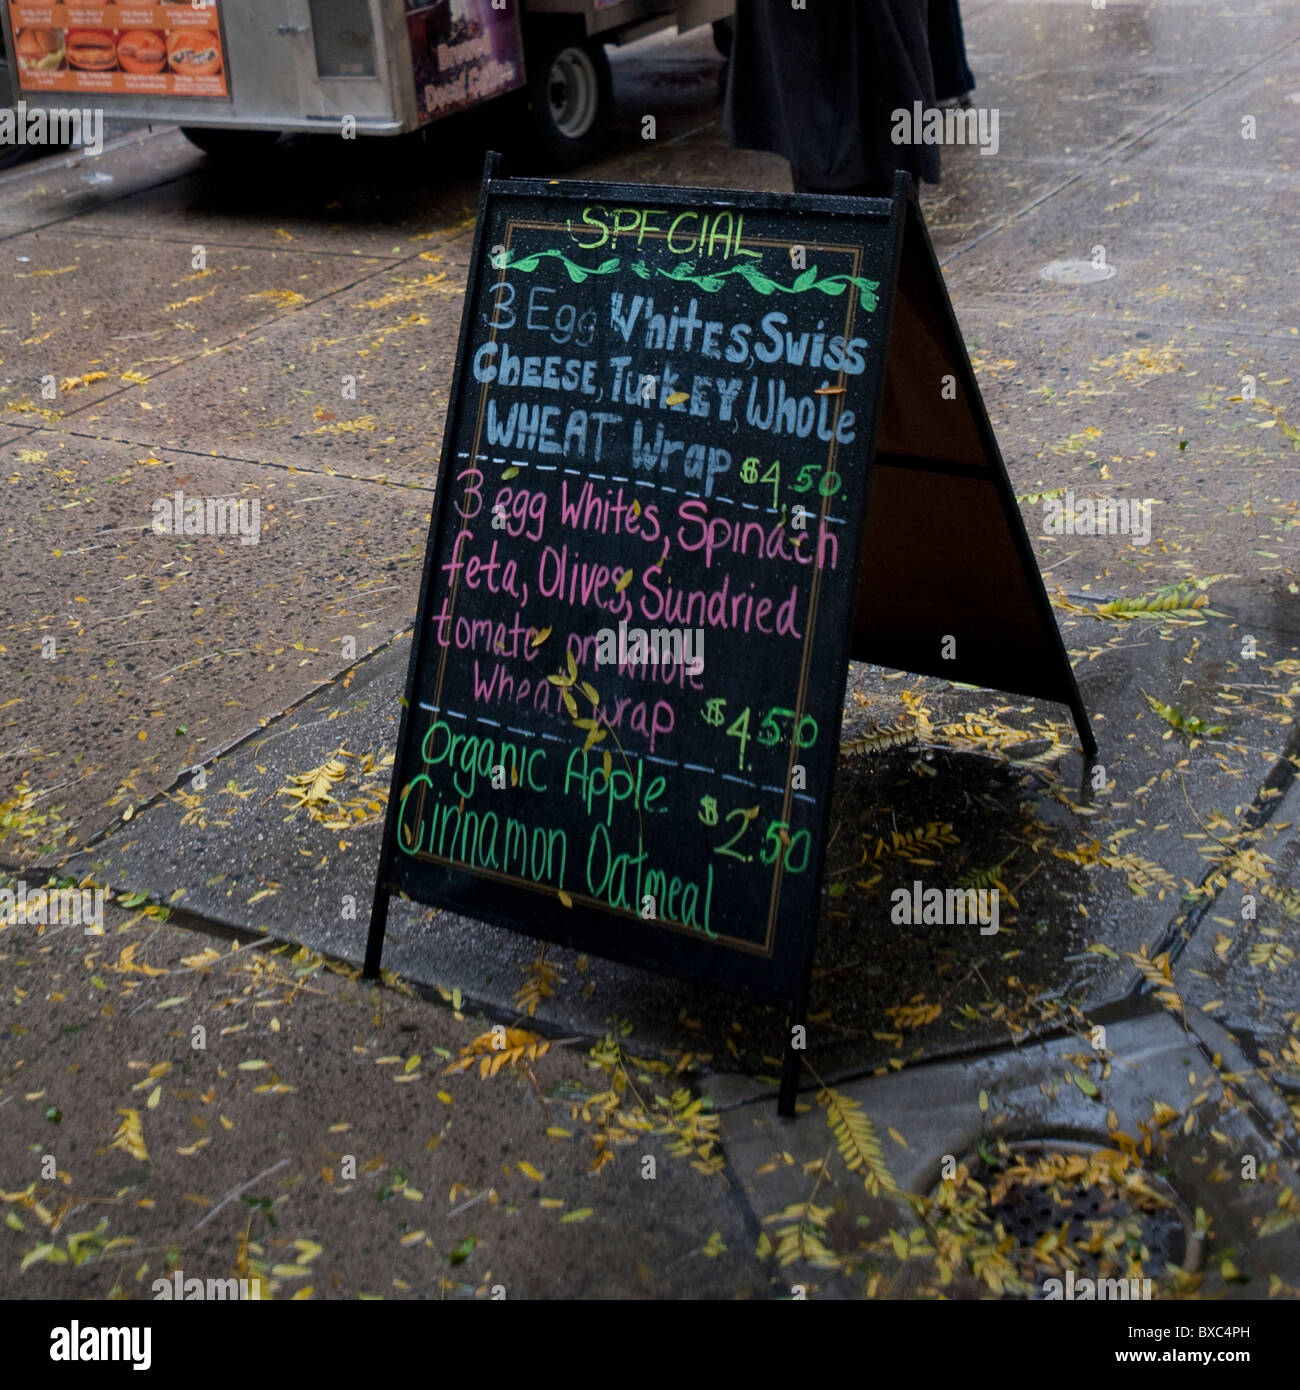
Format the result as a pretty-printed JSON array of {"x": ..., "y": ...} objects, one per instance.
[
  {"x": 308, "y": 65},
  {"x": 271, "y": 58}
]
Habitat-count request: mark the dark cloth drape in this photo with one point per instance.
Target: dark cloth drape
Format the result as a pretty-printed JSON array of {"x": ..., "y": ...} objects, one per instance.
[
  {"x": 819, "y": 86},
  {"x": 952, "y": 74}
]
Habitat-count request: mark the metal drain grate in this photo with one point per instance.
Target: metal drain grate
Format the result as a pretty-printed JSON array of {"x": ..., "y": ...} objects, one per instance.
[{"x": 1029, "y": 1212}]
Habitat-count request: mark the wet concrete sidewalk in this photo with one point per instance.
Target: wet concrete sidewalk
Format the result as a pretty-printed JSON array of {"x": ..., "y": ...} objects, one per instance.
[{"x": 1155, "y": 898}]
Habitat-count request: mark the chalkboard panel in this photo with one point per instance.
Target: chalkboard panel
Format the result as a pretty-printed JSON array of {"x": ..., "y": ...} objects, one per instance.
[{"x": 624, "y": 706}]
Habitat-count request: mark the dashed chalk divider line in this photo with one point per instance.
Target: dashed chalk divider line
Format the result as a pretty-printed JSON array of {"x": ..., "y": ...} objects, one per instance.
[
  {"x": 635, "y": 482},
  {"x": 478, "y": 718}
]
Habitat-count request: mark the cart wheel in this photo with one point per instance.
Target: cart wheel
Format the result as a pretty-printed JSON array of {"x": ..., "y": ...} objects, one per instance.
[
  {"x": 231, "y": 145},
  {"x": 570, "y": 93},
  {"x": 722, "y": 35}
]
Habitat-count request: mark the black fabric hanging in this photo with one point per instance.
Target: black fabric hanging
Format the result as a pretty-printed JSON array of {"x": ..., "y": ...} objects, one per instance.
[{"x": 819, "y": 86}]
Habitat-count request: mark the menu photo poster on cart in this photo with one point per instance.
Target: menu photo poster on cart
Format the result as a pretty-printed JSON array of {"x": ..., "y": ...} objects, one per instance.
[{"x": 166, "y": 49}]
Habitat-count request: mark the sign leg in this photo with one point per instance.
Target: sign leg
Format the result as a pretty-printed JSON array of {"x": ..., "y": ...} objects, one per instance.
[
  {"x": 1082, "y": 723},
  {"x": 792, "y": 1062},
  {"x": 375, "y": 941},
  {"x": 789, "y": 1081}
]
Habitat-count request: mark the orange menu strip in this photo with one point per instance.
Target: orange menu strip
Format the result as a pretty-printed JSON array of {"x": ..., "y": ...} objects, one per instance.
[
  {"x": 65, "y": 14},
  {"x": 164, "y": 84}
]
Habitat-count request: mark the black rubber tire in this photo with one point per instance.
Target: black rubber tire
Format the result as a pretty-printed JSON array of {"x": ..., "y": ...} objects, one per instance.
[
  {"x": 722, "y": 34},
  {"x": 230, "y": 146},
  {"x": 569, "y": 94}
]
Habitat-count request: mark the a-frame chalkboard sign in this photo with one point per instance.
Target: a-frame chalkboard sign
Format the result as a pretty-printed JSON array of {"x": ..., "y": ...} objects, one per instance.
[{"x": 702, "y": 446}]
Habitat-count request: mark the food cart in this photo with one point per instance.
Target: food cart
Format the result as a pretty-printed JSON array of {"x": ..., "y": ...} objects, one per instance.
[{"x": 236, "y": 73}]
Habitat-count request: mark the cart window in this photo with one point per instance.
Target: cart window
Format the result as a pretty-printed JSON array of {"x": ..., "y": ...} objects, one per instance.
[{"x": 345, "y": 38}]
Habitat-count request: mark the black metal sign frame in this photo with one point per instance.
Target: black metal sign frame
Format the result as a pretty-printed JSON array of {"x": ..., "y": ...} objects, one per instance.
[{"x": 918, "y": 338}]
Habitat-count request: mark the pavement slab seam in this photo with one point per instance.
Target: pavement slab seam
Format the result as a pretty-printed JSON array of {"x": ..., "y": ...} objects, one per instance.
[
  {"x": 988, "y": 309},
  {"x": 999, "y": 306},
  {"x": 261, "y": 733},
  {"x": 180, "y": 452},
  {"x": 224, "y": 346},
  {"x": 249, "y": 334},
  {"x": 70, "y": 160},
  {"x": 1107, "y": 156},
  {"x": 1269, "y": 1108},
  {"x": 1214, "y": 1042},
  {"x": 1264, "y": 805},
  {"x": 1124, "y": 1008},
  {"x": 224, "y": 244},
  {"x": 1012, "y": 218},
  {"x": 54, "y": 223}
]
